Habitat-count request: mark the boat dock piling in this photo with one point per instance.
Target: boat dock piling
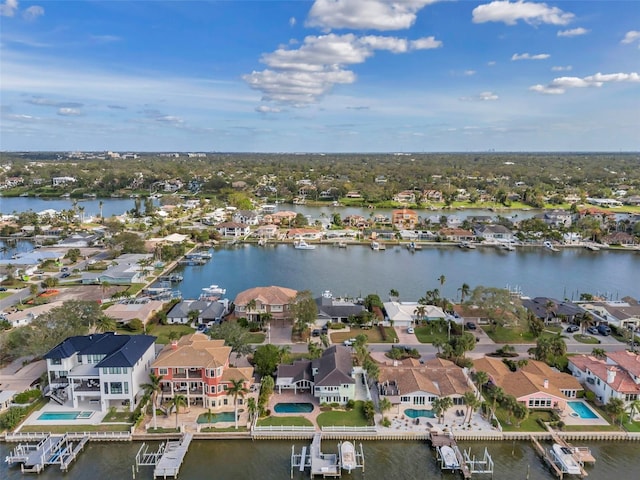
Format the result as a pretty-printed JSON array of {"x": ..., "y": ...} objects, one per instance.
[
  {"x": 551, "y": 459},
  {"x": 321, "y": 464},
  {"x": 52, "y": 450},
  {"x": 467, "y": 464},
  {"x": 167, "y": 460}
]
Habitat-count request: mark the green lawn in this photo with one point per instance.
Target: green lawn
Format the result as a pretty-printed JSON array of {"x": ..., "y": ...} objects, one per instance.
[
  {"x": 255, "y": 337},
  {"x": 529, "y": 424},
  {"x": 351, "y": 418},
  {"x": 430, "y": 333},
  {"x": 586, "y": 339},
  {"x": 223, "y": 429},
  {"x": 373, "y": 335},
  {"x": 121, "y": 417},
  {"x": 5, "y": 294},
  {"x": 163, "y": 332},
  {"x": 285, "y": 421}
]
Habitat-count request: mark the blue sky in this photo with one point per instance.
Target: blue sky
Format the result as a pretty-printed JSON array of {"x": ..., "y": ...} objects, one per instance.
[{"x": 320, "y": 76}]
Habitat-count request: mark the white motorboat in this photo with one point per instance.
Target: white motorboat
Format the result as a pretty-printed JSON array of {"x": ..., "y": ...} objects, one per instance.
[
  {"x": 213, "y": 290},
  {"x": 508, "y": 247},
  {"x": 375, "y": 245},
  {"x": 449, "y": 458},
  {"x": 468, "y": 245},
  {"x": 565, "y": 459},
  {"x": 548, "y": 245},
  {"x": 348, "y": 456},
  {"x": 302, "y": 245}
]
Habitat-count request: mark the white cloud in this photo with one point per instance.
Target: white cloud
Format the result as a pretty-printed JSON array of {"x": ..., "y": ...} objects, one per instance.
[
  {"x": 267, "y": 109},
  {"x": 69, "y": 112},
  {"x": 488, "y": 96},
  {"x": 365, "y": 14},
  {"x": 561, "y": 68},
  {"x": 560, "y": 85},
  {"x": 528, "y": 56},
  {"x": 529, "y": 12},
  {"x": 482, "y": 97},
  {"x": 574, "y": 32},
  {"x": 33, "y": 12},
  {"x": 301, "y": 76},
  {"x": 469, "y": 73},
  {"x": 292, "y": 21},
  {"x": 491, "y": 63},
  {"x": 631, "y": 36},
  {"x": 8, "y": 8}
]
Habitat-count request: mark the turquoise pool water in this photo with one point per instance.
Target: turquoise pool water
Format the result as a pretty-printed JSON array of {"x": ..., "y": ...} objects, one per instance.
[
  {"x": 218, "y": 417},
  {"x": 582, "y": 410},
  {"x": 411, "y": 413},
  {"x": 293, "y": 407},
  {"x": 64, "y": 415}
]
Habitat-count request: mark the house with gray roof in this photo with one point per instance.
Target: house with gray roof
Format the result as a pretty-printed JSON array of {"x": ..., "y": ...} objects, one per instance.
[
  {"x": 208, "y": 311},
  {"x": 549, "y": 309},
  {"x": 495, "y": 233},
  {"x": 335, "y": 310},
  {"x": 331, "y": 378},
  {"x": 104, "y": 370}
]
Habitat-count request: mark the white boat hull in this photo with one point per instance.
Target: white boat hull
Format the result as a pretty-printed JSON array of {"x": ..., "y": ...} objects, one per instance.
[
  {"x": 348, "y": 456},
  {"x": 565, "y": 459},
  {"x": 449, "y": 458}
]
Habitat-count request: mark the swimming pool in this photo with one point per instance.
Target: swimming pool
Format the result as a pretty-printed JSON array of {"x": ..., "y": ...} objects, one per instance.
[
  {"x": 582, "y": 410},
  {"x": 293, "y": 407},
  {"x": 411, "y": 413},
  {"x": 65, "y": 415},
  {"x": 217, "y": 417}
]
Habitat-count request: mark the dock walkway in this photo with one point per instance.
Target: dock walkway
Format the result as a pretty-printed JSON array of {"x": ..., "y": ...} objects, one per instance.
[{"x": 172, "y": 457}]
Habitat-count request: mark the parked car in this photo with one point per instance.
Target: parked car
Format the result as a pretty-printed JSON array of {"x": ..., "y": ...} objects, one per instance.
[
  {"x": 470, "y": 326},
  {"x": 592, "y": 330},
  {"x": 64, "y": 269},
  {"x": 65, "y": 275},
  {"x": 604, "y": 330},
  {"x": 3, "y": 289},
  {"x": 572, "y": 328},
  {"x": 325, "y": 328},
  {"x": 410, "y": 330},
  {"x": 315, "y": 333}
]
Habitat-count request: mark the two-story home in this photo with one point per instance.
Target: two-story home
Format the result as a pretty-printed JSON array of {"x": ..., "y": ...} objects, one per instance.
[
  {"x": 336, "y": 310},
  {"x": 103, "y": 369},
  {"x": 495, "y": 233},
  {"x": 257, "y": 301},
  {"x": 198, "y": 368},
  {"x": 536, "y": 384},
  {"x": 248, "y": 217},
  {"x": 615, "y": 376},
  {"x": 233, "y": 229},
  {"x": 331, "y": 378},
  {"x": 406, "y": 196},
  {"x": 404, "y": 218}
]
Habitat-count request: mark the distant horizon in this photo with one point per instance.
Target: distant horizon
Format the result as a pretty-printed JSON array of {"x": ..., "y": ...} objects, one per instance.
[
  {"x": 238, "y": 152},
  {"x": 361, "y": 76}
]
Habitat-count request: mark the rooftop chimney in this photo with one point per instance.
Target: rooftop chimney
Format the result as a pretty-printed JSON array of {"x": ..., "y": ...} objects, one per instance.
[
  {"x": 174, "y": 344},
  {"x": 545, "y": 384},
  {"x": 611, "y": 374}
]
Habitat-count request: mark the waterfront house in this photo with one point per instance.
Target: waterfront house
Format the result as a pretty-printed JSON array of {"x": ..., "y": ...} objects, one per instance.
[
  {"x": 208, "y": 311},
  {"x": 457, "y": 235},
  {"x": 256, "y": 301},
  {"x": 405, "y": 314},
  {"x": 125, "y": 270},
  {"x": 556, "y": 218},
  {"x": 304, "y": 233},
  {"x": 126, "y": 310},
  {"x": 248, "y": 217},
  {"x": 233, "y": 229},
  {"x": 406, "y": 196},
  {"x": 103, "y": 369},
  {"x": 617, "y": 375},
  {"x": 623, "y": 314},
  {"x": 335, "y": 310},
  {"x": 421, "y": 384},
  {"x": 495, "y": 233},
  {"x": 266, "y": 231},
  {"x": 404, "y": 218},
  {"x": 198, "y": 368},
  {"x": 536, "y": 384},
  {"x": 331, "y": 378}
]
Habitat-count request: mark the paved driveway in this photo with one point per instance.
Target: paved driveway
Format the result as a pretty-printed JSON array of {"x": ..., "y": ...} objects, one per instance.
[{"x": 404, "y": 337}]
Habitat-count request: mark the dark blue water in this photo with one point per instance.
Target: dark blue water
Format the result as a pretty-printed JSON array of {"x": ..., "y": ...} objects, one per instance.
[
  {"x": 358, "y": 271},
  {"x": 110, "y": 206}
]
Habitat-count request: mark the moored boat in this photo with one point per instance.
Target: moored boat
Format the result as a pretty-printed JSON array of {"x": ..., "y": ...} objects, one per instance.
[
  {"x": 449, "y": 458},
  {"x": 214, "y": 290},
  {"x": 565, "y": 459},
  {"x": 302, "y": 245},
  {"x": 348, "y": 456}
]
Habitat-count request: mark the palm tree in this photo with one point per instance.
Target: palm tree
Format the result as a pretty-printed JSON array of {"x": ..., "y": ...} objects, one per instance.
[
  {"x": 252, "y": 408},
  {"x": 393, "y": 293},
  {"x": 464, "y": 291},
  {"x": 420, "y": 312},
  {"x": 105, "y": 324},
  {"x": 470, "y": 401},
  {"x": 251, "y": 307},
  {"x": 585, "y": 321},
  {"x": 315, "y": 350},
  {"x": 615, "y": 408},
  {"x": 481, "y": 379},
  {"x": 237, "y": 389},
  {"x": 496, "y": 394},
  {"x": 176, "y": 402},
  {"x": 209, "y": 415},
  {"x": 634, "y": 408},
  {"x": 384, "y": 405},
  {"x": 599, "y": 353},
  {"x": 104, "y": 286},
  {"x": 509, "y": 403},
  {"x": 153, "y": 389},
  {"x": 440, "y": 406},
  {"x": 520, "y": 412}
]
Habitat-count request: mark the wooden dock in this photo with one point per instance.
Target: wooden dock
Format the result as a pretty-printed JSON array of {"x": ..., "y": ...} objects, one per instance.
[
  {"x": 170, "y": 461},
  {"x": 51, "y": 450},
  {"x": 467, "y": 464},
  {"x": 326, "y": 465}
]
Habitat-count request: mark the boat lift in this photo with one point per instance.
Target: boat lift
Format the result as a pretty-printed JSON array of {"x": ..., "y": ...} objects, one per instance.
[{"x": 319, "y": 463}]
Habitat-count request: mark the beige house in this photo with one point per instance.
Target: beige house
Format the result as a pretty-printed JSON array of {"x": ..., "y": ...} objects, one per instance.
[
  {"x": 260, "y": 300},
  {"x": 421, "y": 384},
  {"x": 536, "y": 384}
]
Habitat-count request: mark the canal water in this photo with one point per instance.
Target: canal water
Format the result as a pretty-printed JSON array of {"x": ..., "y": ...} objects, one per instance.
[
  {"x": 270, "y": 460},
  {"x": 358, "y": 271}
]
